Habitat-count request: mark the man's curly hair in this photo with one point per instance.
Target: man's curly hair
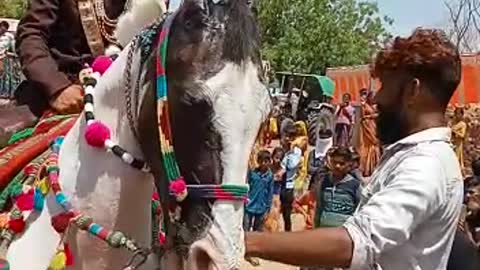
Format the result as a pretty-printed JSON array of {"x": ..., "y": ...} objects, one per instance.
[{"x": 427, "y": 55}]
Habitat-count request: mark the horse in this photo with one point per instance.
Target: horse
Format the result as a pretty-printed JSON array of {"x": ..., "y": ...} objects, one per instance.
[{"x": 217, "y": 103}]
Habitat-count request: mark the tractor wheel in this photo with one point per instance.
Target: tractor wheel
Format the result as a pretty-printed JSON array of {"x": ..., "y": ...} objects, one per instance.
[{"x": 312, "y": 129}]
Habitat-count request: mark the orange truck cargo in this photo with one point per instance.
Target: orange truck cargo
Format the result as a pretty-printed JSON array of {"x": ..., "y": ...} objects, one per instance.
[{"x": 352, "y": 79}]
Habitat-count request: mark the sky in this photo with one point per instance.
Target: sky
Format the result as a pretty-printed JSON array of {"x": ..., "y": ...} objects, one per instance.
[{"x": 409, "y": 14}]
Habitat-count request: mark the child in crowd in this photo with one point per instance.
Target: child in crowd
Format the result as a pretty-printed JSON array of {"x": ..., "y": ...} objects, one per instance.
[
  {"x": 260, "y": 196},
  {"x": 261, "y": 192},
  {"x": 316, "y": 168},
  {"x": 272, "y": 220},
  {"x": 339, "y": 192},
  {"x": 290, "y": 166}
]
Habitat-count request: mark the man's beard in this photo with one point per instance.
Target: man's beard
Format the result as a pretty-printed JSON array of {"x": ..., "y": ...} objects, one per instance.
[{"x": 391, "y": 126}]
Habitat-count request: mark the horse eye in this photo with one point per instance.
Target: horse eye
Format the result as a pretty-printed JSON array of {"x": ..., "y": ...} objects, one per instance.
[{"x": 188, "y": 24}]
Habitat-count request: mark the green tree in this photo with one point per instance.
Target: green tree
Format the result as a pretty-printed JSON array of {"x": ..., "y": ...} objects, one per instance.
[
  {"x": 310, "y": 35},
  {"x": 12, "y": 8}
]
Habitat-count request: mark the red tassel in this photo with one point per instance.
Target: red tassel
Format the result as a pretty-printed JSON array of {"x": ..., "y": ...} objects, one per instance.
[
  {"x": 16, "y": 225},
  {"x": 68, "y": 254},
  {"x": 61, "y": 221}
]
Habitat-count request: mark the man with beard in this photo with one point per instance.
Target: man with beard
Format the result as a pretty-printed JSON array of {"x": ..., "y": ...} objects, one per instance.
[{"x": 408, "y": 214}]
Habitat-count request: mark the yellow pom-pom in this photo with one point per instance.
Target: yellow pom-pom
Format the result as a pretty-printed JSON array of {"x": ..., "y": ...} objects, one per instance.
[
  {"x": 59, "y": 262},
  {"x": 44, "y": 186}
]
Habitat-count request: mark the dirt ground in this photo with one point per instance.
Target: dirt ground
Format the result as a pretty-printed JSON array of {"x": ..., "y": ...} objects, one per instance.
[{"x": 298, "y": 224}]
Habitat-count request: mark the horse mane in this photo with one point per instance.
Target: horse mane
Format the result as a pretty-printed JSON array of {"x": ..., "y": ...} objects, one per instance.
[
  {"x": 242, "y": 40},
  {"x": 141, "y": 14}
]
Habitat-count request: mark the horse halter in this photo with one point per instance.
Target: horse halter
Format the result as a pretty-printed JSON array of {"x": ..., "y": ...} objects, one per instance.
[{"x": 177, "y": 185}]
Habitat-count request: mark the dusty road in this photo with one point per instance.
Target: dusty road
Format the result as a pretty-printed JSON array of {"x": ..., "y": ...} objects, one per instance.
[{"x": 298, "y": 224}]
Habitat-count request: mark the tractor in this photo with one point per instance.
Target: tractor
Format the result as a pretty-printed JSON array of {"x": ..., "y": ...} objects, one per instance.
[{"x": 310, "y": 98}]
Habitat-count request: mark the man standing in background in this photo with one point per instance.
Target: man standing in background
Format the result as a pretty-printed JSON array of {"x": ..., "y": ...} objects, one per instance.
[{"x": 345, "y": 120}]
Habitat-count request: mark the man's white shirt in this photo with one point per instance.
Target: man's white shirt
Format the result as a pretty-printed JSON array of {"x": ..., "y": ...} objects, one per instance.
[{"x": 408, "y": 213}]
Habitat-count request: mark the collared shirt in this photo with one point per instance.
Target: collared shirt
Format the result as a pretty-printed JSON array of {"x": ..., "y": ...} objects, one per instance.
[
  {"x": 6, "y": 42},
  {"x": 408, "y": 213},
  {"x": 261, "y": 191},
  {"x": 290, "y": 164}
]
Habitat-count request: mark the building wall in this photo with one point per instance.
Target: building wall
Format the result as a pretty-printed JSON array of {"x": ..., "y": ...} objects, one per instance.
[{"x": 352, "y": 79}]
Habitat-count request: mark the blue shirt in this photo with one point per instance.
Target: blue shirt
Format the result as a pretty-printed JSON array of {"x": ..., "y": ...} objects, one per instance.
[
  {"x": 291, "y": 163},
  {"x": 261, "y": 192}
]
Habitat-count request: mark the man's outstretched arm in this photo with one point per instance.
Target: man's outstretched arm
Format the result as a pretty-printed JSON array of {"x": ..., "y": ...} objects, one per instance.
[
  {"x": 385, "y": 222},
  {"x": 329, "y": 247}
]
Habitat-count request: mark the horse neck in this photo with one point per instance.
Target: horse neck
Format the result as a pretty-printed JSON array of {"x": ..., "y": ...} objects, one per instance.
[{"x": 97, "y": 172}]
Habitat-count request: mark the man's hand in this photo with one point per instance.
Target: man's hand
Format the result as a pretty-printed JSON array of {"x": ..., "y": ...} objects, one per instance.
[{"x": 69, "y": 100}]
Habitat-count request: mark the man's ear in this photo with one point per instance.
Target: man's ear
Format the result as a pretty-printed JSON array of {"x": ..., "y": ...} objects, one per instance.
[{"x": 412, "y": 91}]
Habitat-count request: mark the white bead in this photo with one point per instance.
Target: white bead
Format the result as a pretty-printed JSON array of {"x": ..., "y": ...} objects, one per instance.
[
  {"x": 109, "y": 144},
  {"x": 127, "y": 158},
  {"x": 89, "y": 107}
]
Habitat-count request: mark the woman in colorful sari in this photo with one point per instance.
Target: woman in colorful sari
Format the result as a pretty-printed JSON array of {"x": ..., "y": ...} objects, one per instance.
[
  {"x": 369, "y": 147},
  {"x": 301, "y": 142},
  {"x": 9, "y": 66},
  {"x": 459, "y": 131}
]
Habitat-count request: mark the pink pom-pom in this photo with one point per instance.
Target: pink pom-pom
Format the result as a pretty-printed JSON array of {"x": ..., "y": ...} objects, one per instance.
[
  {"x": 101, "y": 64},
  {"x": 161, "y": 238},
  {"x": 179, "y": 189},
  {"x": 155, "y": 196},
  {"x": 25, "y": 201},
  {"x": 96, "y": 134}
]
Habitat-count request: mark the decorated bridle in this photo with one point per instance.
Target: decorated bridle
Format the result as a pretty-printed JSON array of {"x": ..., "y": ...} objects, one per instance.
[{"x": 178, "y": 188}]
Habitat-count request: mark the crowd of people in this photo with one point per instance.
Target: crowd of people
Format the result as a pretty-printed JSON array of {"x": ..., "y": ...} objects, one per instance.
[{"x": 324, "y": 184}]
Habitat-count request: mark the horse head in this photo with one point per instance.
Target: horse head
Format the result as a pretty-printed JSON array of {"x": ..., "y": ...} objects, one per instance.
[{"x": 217, "y": 102}]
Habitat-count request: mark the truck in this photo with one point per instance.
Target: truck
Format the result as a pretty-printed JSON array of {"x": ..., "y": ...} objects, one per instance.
[{"x": 314, "y": 93}]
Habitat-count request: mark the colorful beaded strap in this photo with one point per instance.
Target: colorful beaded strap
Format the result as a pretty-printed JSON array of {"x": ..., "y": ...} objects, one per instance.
[
  {"x": 178, "y": 188},
  {"x": 61, "y": 222},
  {"x": 29, "y": 197}
]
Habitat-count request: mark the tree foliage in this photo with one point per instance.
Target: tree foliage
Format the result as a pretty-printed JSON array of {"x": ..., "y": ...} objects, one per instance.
[
  {"x": 12, "y": 8},
  {"x": 310, "y": 35}
]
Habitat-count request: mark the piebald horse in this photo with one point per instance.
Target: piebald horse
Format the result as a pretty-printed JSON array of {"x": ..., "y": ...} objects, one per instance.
[{"x": 217, "y": 103}]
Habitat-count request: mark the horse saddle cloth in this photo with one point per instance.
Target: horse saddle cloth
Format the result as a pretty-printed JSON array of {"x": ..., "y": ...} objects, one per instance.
[{"x": 14, "y": 119}]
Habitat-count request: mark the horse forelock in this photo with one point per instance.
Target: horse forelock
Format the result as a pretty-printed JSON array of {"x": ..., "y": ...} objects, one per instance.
[{"x": 242, "y": 40}]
